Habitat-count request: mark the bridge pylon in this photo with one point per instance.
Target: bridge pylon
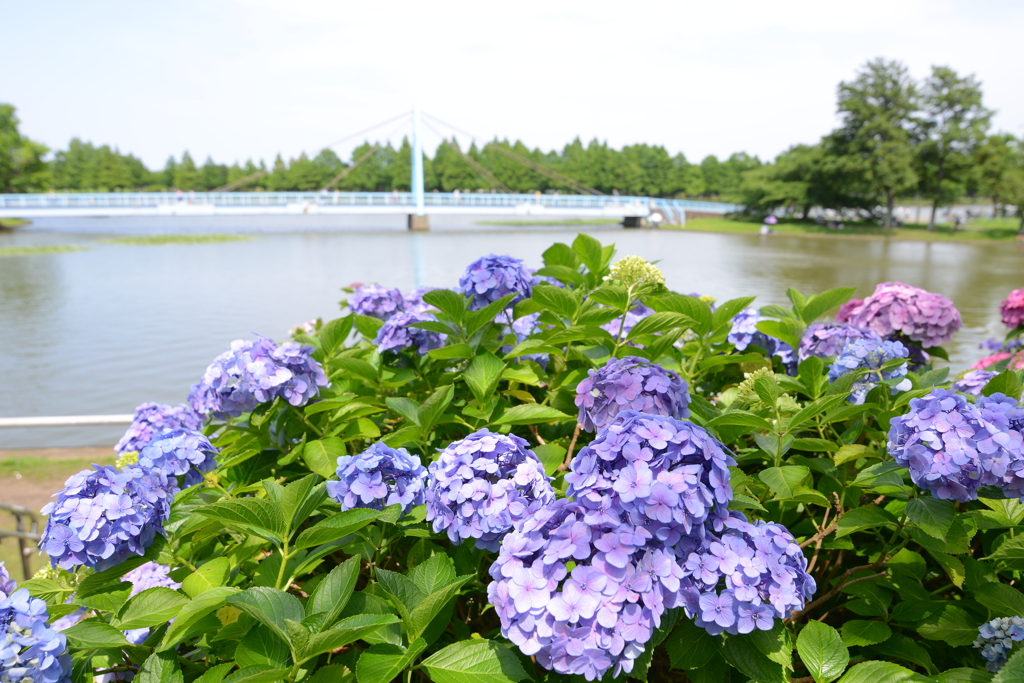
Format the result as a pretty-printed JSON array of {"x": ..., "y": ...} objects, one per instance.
[{"x": 417, "y": 220}]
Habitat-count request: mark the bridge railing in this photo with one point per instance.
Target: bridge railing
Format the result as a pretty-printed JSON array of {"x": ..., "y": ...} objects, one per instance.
[{"x": 127, "y": 200}]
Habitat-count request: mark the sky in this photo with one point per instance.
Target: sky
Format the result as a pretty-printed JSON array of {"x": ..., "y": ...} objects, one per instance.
[{"x": 239, "y": 79}]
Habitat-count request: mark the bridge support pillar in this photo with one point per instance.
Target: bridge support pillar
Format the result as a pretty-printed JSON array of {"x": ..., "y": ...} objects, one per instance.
[
  {"x": 632, "y": 222},
  {"x": 419, "y": 223}
]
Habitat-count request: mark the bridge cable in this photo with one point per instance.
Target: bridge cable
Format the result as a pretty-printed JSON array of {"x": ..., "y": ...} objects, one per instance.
[
  {"x": 242, "y": 182},
  {"x": 534, "y": 166},
  {"x": 367, "y": 130},
  {"x": 366, "y": 155},
  {"x": 473, "y": 163}
]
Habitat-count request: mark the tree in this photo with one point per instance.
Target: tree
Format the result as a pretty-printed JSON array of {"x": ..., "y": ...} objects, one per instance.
[
  {"x": 873, "y": 145},
  {"x": 953, "y": 124},
  {"x": 994, "y": 160},
  {"x": 186, "y": 175},
  {"x": 22, "y": 168},
  {"x": 711, "y": 172},
  {"x": 212, "y": 176}
]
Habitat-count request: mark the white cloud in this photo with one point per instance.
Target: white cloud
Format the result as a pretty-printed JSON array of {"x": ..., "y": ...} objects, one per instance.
[{"x": 241, "y": 78}]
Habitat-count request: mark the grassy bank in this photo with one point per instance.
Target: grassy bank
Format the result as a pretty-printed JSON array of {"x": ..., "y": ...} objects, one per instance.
[
  {"x": 11, "y": 223},
  {"x": 983, "y": 231},
  {"x": 43, "y": 249},
  {"x": 148, "y": 240}
]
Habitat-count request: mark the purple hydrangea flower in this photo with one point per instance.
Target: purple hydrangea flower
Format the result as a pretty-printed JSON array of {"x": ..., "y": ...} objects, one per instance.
[
  {"x": 896, "y": 308},
  {"x": 596, "y": 616},
  {"x": 665, "y": 475},
  {"x": 398, "y": 333},
  {"x": 482, "y": 485},
  {"x": 30, "y": 650},
  {"x": 1012, "y": 309},
  {"x": 867, "y": 354},
  {"x": 378, "y": 477},
  {"x": 624, "y": 327},
  {"x": 414, "y": 302},
  {"x": 153, "y": 419},
  {"x": 953, "y": 447},
  {"x": 376, "y": 301},
  {"x": 630, "y": 383},
  {"x": 181, "y": 452},
  {"x": 103, "y": 515},
  {"x": 744, "y": 333},
  {"x": 745, "y": 577},
  {"x": 254, "y": 372},
  {"x": 973, "y": 382},
  {"x": 829, "y": 339},
  {"x": 491, "y": 277},
  {"x": 996, "y": 640}
]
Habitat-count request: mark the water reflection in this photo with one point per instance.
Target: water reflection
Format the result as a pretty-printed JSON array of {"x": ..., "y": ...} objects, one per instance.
[{"x": 101, "y": 331}]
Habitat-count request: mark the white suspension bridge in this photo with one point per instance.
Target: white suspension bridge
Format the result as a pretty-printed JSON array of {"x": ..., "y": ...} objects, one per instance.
[{"x": 580, "y": 201}]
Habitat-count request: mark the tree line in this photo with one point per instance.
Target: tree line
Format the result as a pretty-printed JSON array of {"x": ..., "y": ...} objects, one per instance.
[{"x": 898, "y": 138}]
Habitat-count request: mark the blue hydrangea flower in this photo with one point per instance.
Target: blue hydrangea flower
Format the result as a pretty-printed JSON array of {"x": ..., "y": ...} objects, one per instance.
[
  {"x": 996, "y": 640},
  {"x": 861, "y": 354},
  {"x": 376, "y": 301},
  {"x": 973, "y": 382},
  {"x": 630, "y": 383},
  {"x": 398, "y": 333},
  {"x": 378, "y": 477},
  {"x": 744, "y": 333},
  {"x": 491, "y": 277},
  {"x": 103, "y": 515},
  {"x": 180, "y": 452},
  {"x": 153, "y": 419},
  {"x": 829, "y": 339},
  {"x": 633, "y": 316},
  {"x": 30, "y": 650},
  {"x": 953, "y": 448},
  {"x": 480, "y": 486},
  {"x": 254, "y": 372},
  {"x": 664, "y": 474},
  {"x": 745, "y": 577}
]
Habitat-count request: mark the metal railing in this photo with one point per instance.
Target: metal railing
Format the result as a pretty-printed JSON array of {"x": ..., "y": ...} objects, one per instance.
[
  {"x": 31, "y": 534},
  {"x": 127, "y": 200}
]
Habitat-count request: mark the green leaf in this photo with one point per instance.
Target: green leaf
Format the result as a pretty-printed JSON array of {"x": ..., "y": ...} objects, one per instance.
[
  {"x": 964, "y": 675},
  {"x": 302, "y": 496},
  {"x": 562, "y": 273},
  {"x": 367, "y": 326},
  {"x": 487, "y": 314},
  {"x": 743, "y": 654},
  {"x": 346, "y": 632},
  {"x": 483, "y": 374},
  {"x": 258, "y": 674},
  {"x": 591, "y": 254},
  {"x": 741, "y": 418},
  {"x": 851, "y": 452},
  {"x": 453, "y": 351},
  {"x": 901, "y": 647},
  {"x": 813, "y": 409},
  {"x": 270, "y": 607},
  {"x": 866, "y": 517},
  {"x": 1006, "y": 382},
  {"x": 383, "y": 663},
  {"x": 263, "y": 648},
  {"x": 860, "y": 632},
  {"x": 160, "y": 667},
  {"x": 357, "y": 368},
  {"x": 451, "y": 303},
  {"x": 431, "y": 410},
  {"x": 474, "y": 661},
  {"x": 151, "y": 607},
  {"x": 47, "y": 590},
  {"x": 725, "y": 312},
  {"x": 530, "y": 413},
  {"x": 559, "y": 254},
  {"x": 215, "y": 674},
  {"x": 336, "y": 526},
  {"x": 557, "y": 300},
  {"x": 213, "y": 574},
  {"x": 406, "y": 407},
  {"x": 334, "y": 333},
  {"x": 729, "y": 359},
  {"x": 1001, "y": 599},
  {"x": 251, "y": 515},
  {"x": 820, "y": 304},
  {"x": 94, "y": 635},
  {"x": 193, "y": 612},
  {"x": 423, "y": 613},
  {"x": 953, "y": 625},
  {"x": 955, "y": 542},
  {"x": 689, "y": 646},
  {"x": 783, "y": 481},
  {"x": 659, "y": 322},
  {"x": 822, "y": 651},
  {"x": 100, "y": 581},
  {"x": 402, "y": 436},
  {"x": 934, "y": 516},
  {"x": 953, "y": 567},
  {"x": 1012, "y": 671},
  {"x": 552, "y": 455},
  {"x": 434, "y": 574},
  {"x": 332, "y": 594},
  {"x": 882, "y": 672}
]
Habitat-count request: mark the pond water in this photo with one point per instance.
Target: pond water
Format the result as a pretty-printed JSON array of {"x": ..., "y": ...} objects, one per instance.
[{"x": 100, "y": 331}]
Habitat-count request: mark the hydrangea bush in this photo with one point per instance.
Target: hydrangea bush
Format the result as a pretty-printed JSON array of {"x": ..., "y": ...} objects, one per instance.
[{"x": 517, "y": 480}]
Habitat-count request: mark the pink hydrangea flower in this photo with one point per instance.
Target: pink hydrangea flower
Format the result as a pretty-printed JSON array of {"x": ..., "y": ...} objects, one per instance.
[
  {"x": 1013, "y": 309},
  {"x": 897, "y": 308}
]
